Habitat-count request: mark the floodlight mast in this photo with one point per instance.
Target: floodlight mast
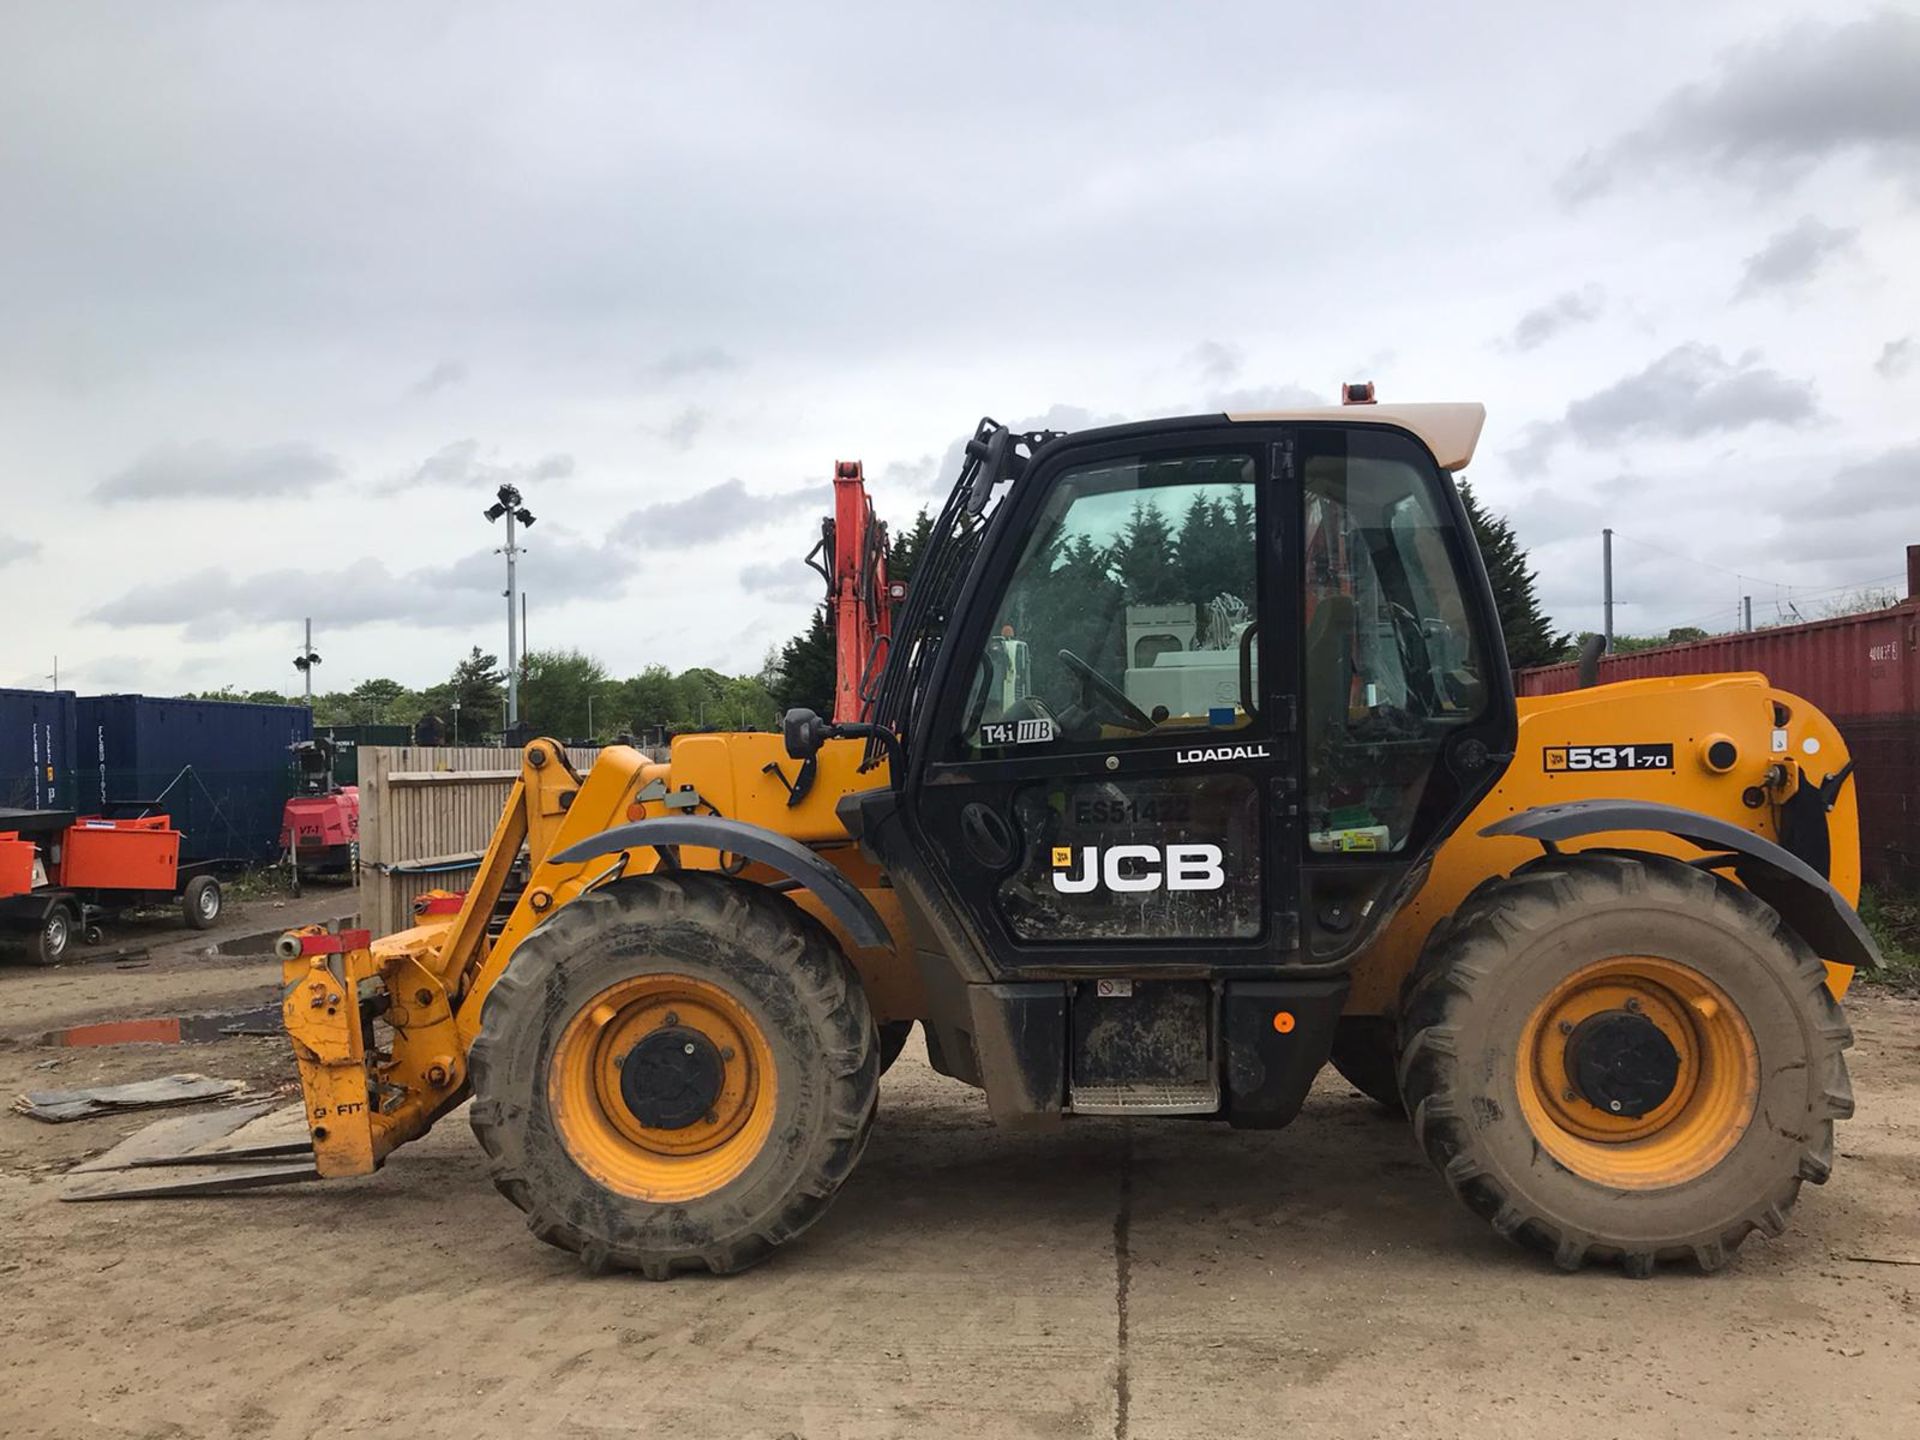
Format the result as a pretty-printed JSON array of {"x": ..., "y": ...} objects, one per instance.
[
  {"x": 507, "y": 503},
  {"x": 303, "y": 662}
]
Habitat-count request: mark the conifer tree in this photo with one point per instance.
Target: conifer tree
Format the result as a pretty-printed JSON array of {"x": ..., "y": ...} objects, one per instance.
[{"x": 1530, "y": 636}]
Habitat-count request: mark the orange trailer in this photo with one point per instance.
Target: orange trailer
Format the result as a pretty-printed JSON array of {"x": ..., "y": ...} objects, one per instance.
[{"x": 61, "y": 873}]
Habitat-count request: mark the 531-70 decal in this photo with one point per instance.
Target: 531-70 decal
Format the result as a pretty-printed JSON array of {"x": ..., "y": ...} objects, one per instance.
[{"x": 1608, "y": 757}]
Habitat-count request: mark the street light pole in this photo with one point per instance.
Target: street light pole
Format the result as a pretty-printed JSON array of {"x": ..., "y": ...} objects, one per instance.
[
  {"x": 1606, "y": 583},
  {"x": 306, "y": 660},
  {"x": 513, "y": 630},
  {"x": 507, "y": 503}
]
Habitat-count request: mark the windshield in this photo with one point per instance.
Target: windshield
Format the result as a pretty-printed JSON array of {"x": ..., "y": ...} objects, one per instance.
[{"x": 1131, "y": 611}]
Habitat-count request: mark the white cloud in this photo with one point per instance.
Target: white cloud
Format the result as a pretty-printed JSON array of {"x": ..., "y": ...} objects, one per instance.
[
  {"x": 209, "y": 469},
  {"x": 1566, "y": 311},
  {"x": 443, "y": 376},
  {"x": 1776, "y": 107},
  {"x": 463, "y": 463},
  {"x": 1690, "y": 393},
  {"x": 696, "y": 360},
  {"x": 1794, "y": 256}
]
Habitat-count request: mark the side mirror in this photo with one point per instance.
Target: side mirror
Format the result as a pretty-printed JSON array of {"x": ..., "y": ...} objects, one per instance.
[
  {"x": 989, "y": 452},
  {"x": 804, "y": 733}
]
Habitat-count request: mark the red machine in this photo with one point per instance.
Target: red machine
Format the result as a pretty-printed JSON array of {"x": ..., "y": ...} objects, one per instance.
[
  {"x": 60, "y": 873},
  {"x": 854, "y": 543},
  {"x": 320, "y": 827}
]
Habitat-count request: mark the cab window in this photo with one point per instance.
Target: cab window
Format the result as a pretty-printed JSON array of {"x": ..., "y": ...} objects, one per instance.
[
  {"x": 1392, "y": 663},
  {"x": 1130, "y": 615}
]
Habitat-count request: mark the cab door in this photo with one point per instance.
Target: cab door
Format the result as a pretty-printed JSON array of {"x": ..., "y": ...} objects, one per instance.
[{"x": 1113, "y": 776}]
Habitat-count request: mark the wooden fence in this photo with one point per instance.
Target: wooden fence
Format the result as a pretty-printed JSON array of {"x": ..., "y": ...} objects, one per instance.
[{"x": 426, "y": 813}]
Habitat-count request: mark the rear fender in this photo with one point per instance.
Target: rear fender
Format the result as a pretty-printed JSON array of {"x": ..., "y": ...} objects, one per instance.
[{"x": 1804, "y": 898}]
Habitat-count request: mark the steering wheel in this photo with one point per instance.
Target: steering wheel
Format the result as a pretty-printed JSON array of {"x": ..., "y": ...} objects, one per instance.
[{"x": 1100, "y": 693}]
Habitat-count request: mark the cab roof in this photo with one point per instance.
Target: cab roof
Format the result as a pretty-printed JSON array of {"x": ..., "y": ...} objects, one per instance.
[{"x": 1449, "y": 430}]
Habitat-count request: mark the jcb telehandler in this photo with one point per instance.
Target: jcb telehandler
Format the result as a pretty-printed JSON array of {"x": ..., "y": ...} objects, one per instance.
[{"x": 1194, "y": 762}]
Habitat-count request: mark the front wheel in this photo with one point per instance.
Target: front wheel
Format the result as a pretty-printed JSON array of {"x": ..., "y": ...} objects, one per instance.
[
  {"x": 200, "y": 902},
  {"x": 51, "y": 940},
  {"x": 1626, "y": 1059},
  {"x": 674, "y": 1071}
]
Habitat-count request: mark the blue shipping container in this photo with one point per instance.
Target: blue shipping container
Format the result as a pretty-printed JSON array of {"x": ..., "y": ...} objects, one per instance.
[
  {"x": 220, "y": 768},
  {"x": 36, "y": 749}
]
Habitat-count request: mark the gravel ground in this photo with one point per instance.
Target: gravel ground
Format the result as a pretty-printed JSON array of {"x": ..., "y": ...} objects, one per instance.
[{"x": 1135, "y": 1280}]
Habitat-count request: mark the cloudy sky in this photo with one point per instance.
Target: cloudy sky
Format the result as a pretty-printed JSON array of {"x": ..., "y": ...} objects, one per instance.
[{"x": 289, "y": 288}]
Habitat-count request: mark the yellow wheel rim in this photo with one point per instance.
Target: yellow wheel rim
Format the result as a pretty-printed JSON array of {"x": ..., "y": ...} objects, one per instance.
[
  {"x": 1714, "y": 1095},
  {"x": 597, "y": 1121}
]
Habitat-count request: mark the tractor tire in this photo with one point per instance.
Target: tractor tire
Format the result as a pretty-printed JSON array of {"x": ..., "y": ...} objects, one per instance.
[
  {"x": 1363, "y": 1053},
  {"x": 893, "y": 1039},
  {"x": 1622, "y": 1058},
  {"x": 200, "y": 902},
  {"x": 675, "y": 1071}
]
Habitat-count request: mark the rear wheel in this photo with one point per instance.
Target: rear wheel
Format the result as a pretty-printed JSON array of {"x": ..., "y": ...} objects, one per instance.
[
  {"x": 675, "y": 1071},
  {"x": 200, "y": 902},
  {"x": 1624, "y": 1058},
  {"x": 51, "y": 940}
]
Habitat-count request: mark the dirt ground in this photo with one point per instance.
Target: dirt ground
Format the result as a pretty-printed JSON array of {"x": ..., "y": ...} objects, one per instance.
[{"x": 1135, "y": 1280}]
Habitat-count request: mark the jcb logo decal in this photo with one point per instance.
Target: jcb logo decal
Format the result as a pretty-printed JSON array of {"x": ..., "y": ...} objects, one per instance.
[{"x": 1133, "y": 868}]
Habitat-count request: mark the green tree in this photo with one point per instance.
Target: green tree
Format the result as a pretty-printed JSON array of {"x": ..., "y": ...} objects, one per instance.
[
  {"x": 380, "y": 701},
  {"x": 648, "y": 702},
  {"x": 554, "y": 691},
  {"x": 745, "y": 704},
  {"x": 1142, "y": 559},
  {"x": 244, "y": 697},
  {"x": 1214, "y": 551},
  {"x": 478, "y": 685},
  {"x": 806, "y": 669},
  {"x": 905, "y": 549},
  {"x": 334, "y": 707},
  {"x": 1070, "y": 601},
  {"x": 1530, "y": 636},
  {"x": 1627, "y": 644}
]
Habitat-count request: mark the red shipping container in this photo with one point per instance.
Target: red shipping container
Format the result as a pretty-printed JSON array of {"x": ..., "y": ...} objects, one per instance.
[
  {"x": 100, "y": 854},
  {"x": 1852, "y": 666},
  {"x": 16, "y": 865}
]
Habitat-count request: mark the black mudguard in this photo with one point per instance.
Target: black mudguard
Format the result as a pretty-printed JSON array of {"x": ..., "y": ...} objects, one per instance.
[
  {"x": 1804, "y": 897},
  {"x": 750, "y": 842}
]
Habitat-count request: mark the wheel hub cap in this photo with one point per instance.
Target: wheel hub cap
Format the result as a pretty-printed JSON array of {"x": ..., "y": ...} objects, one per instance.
[
  {"x": 1621, "y": 1062},
  {"x": 672, "y": 1078}
]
